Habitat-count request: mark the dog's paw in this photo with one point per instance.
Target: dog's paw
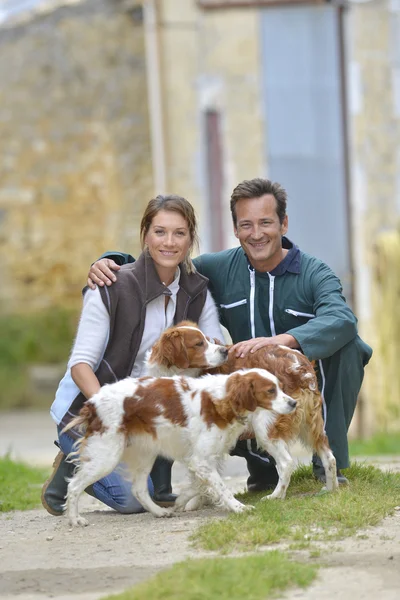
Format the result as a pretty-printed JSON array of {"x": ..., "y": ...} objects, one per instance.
[
  {"x": 164, "y": 513},
  {"x": 239, "y": 507},
  {"x": 273, "y": 497},
  {"x": 79, "y": 522}
]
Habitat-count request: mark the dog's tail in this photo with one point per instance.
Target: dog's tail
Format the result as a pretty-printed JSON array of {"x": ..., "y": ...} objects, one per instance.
[{"x": 87, "y": 415}]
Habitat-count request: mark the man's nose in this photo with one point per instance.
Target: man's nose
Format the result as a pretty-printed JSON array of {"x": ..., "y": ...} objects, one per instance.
[{"x": 257, "y": 232}]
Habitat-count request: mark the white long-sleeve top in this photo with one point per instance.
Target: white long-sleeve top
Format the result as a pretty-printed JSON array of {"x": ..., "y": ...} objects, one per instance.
[{"x": 94, "y": 329}]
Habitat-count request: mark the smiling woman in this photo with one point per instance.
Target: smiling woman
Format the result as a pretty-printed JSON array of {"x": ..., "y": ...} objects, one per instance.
[{"x": 118, "y": 325}]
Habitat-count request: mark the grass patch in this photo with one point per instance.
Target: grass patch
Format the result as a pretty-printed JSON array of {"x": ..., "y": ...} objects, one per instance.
[
  {"x": 20, "y": 485},
  {"x": 381, "y": 443},
  {"x": 249, "y": 577},
  {"x": 42, "y": 338},
  {"x": 306, "y": 515}
]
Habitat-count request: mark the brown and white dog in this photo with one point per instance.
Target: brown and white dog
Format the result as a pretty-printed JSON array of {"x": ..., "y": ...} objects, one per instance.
[
  {"x": 297, "y": 378},
  {"x": 195, "y": 421}
]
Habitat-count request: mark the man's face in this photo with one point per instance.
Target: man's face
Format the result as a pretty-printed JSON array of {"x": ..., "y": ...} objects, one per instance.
[{"x": 260, "y": 232}]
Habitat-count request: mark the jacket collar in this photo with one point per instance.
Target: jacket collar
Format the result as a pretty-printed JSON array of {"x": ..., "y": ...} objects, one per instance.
[
  {"x": 144, "y": 266},
  {"x": 290, "y": 264}
]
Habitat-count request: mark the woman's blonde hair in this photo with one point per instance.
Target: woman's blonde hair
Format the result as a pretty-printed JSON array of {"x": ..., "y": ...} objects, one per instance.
[{"x": 177, "y": 204}]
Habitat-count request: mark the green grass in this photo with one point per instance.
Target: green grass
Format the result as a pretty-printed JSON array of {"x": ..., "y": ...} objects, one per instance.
[
  {"x": 245, "y": 578},
  {"x": 306, "y": 515},
  {"x": 20, "y": 485},
  {"x": 381, "y": 443},
  {"x": 40, "y": 338}
]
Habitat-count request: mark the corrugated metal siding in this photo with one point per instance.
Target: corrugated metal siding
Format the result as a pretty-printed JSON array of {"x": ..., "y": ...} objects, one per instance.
[{"x": 304, "y": 128}]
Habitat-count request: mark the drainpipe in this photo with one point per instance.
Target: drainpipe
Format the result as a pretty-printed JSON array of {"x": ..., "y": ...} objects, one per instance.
[{"x": 154, "y": 94}]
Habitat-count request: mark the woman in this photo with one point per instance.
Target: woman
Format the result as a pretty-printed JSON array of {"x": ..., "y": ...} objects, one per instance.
[{"x": 118, "y": 325}]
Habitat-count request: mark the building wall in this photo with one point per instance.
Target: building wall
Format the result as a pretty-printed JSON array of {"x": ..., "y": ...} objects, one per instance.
[
  {"x": 373, "y": 36},
  {"x": 75, "y": 169},
  {"x": 210, "y": 60}
]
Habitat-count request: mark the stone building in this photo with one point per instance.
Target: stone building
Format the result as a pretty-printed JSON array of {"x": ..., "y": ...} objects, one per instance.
[{"x": 105, "y": 102}]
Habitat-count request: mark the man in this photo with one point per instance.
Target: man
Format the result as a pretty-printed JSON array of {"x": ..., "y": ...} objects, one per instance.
[{"x": 270, "y": 292}]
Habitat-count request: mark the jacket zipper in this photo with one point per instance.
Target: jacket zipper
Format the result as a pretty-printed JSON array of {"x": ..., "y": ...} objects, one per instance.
[
  {"x": 271, "y": 303},
  {"x": 252, "y": 295},
  {"x": 296, "y": 313}
]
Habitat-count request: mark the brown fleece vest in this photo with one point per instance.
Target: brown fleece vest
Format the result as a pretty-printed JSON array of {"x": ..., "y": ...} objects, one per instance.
[{"x": 126, "y": 301}]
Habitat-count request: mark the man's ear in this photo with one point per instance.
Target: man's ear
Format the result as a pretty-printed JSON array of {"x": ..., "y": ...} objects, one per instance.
[
  {"x": 235, "y": 231},
  {"x": 285, "y": 225}
]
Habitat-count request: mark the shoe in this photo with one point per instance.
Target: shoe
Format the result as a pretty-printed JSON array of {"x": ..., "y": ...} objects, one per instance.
[
  {"x": 161, "y": 478},
  {"x": 319, "y": 472},
  {"x": 54, "y": 490},
  {"x": 262, "y": 467}
]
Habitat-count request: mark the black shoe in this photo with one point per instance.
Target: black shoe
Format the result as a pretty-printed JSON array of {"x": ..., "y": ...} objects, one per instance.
[
  {"x": 161, "y": 478},
  {"x": 319, "y": 472},
  {"x": 261, "y": 466},
  {"x": 54, "y": 490}
]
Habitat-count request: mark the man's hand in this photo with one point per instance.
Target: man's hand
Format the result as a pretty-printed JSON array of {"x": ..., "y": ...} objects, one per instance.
[
  {"x": 101, "y": 272},
  {"x": 243, "y": 348}
]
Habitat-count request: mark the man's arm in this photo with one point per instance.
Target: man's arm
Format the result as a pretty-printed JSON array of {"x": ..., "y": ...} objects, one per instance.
[
  {"x": 334, "y": 324},
  {"x": 102, "y": 271}
]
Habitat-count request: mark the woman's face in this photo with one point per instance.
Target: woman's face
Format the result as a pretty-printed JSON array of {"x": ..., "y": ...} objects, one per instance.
[{"x": 168, "y": 239}]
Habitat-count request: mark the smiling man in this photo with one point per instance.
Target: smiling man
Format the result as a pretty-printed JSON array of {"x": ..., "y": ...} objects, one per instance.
[{"x": 270, "y": 292}]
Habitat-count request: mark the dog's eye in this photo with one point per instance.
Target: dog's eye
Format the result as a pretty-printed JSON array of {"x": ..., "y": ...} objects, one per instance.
[
  {"x": 199, "y": 344},
  {"x": 271, "y": 390}
]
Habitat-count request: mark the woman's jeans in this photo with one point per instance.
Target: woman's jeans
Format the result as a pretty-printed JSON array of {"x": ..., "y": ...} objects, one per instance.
[{"x": 115, "y": 489}]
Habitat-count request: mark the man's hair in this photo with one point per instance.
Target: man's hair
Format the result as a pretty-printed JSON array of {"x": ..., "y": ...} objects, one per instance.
[{"x": 255, "y": 188}]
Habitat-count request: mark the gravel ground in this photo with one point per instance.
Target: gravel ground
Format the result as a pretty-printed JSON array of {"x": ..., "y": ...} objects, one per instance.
[{"x": 41, "y": 557}]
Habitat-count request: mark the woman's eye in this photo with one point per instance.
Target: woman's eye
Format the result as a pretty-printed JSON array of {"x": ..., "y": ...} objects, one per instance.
[{"x": 159, "y": 231}]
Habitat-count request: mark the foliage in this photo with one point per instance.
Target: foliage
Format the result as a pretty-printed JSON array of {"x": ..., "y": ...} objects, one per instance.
[
  {"x": 249, "y": 577},
  {"x": 20, "y": 485}
]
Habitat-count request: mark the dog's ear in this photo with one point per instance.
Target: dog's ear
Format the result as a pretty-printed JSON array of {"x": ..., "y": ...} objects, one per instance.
[
  {"x": 177, "y": 349},
  {"x": 240, "y": 392},
  {"x": 170, "y": 350}
]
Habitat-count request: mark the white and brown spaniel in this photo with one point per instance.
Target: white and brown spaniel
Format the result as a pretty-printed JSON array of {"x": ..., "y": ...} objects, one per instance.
[
  {"x": 297, "y": 378},
  {"x": 195, "y": 421}
]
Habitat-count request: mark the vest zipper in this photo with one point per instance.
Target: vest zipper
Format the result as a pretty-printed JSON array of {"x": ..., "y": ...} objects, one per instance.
[
  {"x": 271, "y": 304},
  {"x": 252, "y": 296}
]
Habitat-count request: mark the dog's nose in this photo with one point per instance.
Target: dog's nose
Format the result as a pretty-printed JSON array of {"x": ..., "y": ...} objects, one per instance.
[
  {"x": 224, "y": 352},
  {"x": 292, "y": 403}
]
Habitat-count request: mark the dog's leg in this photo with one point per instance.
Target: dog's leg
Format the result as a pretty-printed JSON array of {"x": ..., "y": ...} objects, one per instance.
[
  {"x": 284, "y": 465},
  {"x": 100, "y": 456},
  {"x": 214, "y": 487},
  {"x": 139, "y": 460},
  {"x": 329, "y": 464},
  {"x": 140, "y": 490}
]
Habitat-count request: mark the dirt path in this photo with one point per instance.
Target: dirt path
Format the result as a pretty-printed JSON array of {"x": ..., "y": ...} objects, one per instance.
[{"x": 41, "y": 557}]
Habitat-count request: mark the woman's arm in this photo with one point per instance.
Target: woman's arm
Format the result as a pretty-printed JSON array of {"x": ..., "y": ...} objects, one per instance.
[
  {"x": 85, "y": 379},
  {"x": 90, "y": 343},
  {"x": 209, "y": 319}
]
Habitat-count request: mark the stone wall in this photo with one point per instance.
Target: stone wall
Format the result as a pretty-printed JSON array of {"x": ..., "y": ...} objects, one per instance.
[{"x": 75, "y": 168}]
